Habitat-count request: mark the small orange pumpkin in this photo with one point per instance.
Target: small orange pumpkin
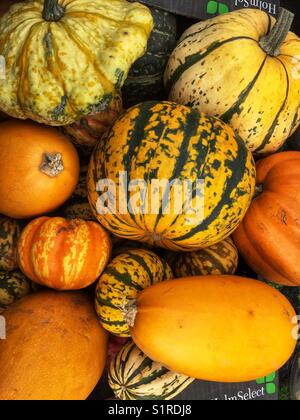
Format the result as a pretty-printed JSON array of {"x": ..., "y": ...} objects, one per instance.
[
  {"x": 269, "y": 236},
  {"x": 39, "y": 169},
  {"x": 63, "y": 254}
]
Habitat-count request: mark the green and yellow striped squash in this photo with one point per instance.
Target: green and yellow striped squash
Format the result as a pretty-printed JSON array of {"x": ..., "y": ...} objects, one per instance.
[
  {"x": 221, "y": 258},
  {"x": 133, "y": 376},
  {"x": 163, "y": 141},
  {"x": 236, "y": 67},
  {"x": 10, "y": 231},
  {"x": 13, "y": 286},
  {"x": 124, "y": 278}
]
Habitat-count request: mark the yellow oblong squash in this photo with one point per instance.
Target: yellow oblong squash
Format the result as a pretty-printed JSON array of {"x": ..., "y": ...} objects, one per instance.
[
  {"x": 55, "y": 349},
  {"x": 216, "y": 328}
]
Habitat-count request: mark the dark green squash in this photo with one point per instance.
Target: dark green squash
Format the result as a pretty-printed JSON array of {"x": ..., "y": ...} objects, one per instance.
[{"x": 145, "y": 80}]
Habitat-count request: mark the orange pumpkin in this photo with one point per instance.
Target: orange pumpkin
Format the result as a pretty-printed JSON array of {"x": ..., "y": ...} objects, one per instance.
[
  {"x": 39, "y": 169},
  {"x": 269, "y": 236},
  {"x": 55, "y": 348},
  {"x": 63, "y": 254},
  {"x": 216, "y": 328}
]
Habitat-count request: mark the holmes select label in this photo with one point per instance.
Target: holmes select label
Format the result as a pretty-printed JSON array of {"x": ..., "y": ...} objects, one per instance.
[
  {"x": 204, "y": 9},
  {"x": 263, "y": 389}
]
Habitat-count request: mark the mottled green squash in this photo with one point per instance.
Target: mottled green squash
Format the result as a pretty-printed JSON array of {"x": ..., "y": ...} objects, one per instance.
[
  {"x": 145, "y": 79},
  {"x": 133, "y": 376},
  {"x": 13, "y": 286},
  {"x": 123, "y": 279},
  {"x": 10, "y": 231},
  {"x": 221, "y": 258}
]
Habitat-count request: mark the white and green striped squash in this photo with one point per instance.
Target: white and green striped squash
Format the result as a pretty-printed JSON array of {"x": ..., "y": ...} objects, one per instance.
[{"x": 133, "y": 376}]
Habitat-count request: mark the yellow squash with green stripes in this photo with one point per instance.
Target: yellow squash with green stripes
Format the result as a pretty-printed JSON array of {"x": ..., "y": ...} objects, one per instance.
[
  {"x": 244, "y": 69},
  {"x": 170, "y": 176},
  {"x": 65, "y": 59},
  {"x": 133, "y": 376},
  {"x": 221, "y": 258},
  {"x": 124, "y": 278}
]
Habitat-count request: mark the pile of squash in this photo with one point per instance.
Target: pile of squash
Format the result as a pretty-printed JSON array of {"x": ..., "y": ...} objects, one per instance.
[{"x": 91, "y": 281}]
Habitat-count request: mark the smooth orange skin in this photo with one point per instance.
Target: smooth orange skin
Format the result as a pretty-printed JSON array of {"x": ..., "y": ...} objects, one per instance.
[
  {"x": 63, "y": 254},
  {"x": 25, "y": 191},
  {"x": 216, "y": 328},
  {"x": 55, "y": 348},
  {"x": 269, "y": 236}
]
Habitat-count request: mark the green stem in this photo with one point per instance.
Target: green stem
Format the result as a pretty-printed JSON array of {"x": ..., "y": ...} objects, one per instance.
[
  {"x": 53, "y": 11},
  {"x": 271, "y": 43}
]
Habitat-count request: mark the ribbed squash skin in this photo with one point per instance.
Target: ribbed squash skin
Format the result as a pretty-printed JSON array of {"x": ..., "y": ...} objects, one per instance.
[
  {"x": 133, "y": 376},
  {"x": 10, "y": 231},
  {"x": 55, "y": 348},
  {"x": 221, "y": 258},
  {"x": 269, "y": 236},
  {"x": 216, "y": 328},
  {"x": 13, "y": 286},
  {"x": 219, "y": 67},
  {"x": 58, "y": 72},
  {"x": 63, "y": 254},
  {"x": 123, "y": 279},
  {"x": 167, "y": 141}
]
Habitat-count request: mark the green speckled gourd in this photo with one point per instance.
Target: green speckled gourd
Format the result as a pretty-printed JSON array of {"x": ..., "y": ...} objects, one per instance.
[
  {"x": 66, "y": 59},
  {"x": 10, "y": 231},
  {"x": 13, "y": 286},
  {"x": 133, "y": 376},
  {"x": 145, "y": 79},
  {"x": 123, "y": 279},
  {"x": 221, "y": 258}
]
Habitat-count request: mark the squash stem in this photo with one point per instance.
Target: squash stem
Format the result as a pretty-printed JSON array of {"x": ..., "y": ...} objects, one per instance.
[
  {"x": 53, "y": 11},
  {"x": 271, "y": 43},
  {"x": 258, "y": 190},
  {"x": 52, "y": 164},
  {"x": 130, "y": 312}
]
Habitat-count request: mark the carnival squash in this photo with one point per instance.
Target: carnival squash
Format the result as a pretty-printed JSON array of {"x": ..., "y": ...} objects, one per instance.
[
  {"x": 123, "y": 279},
  {"x": 147, "y": 178},
  {"x": 221, "y": 258},
  {"x": 89, "y": 129},
  {"x": 55, "y": 348},
  {"x": 64, "y": 59},
  {"x": 269, "y": 236},
  {"x": 216, "y": 328},
  {"x": 244, "y": 69},
  {"x": 62, "y": 254},
  {"x": 13, "y": 286},
  {"x": 10, "y": 231},
  {"x": 39, "y": 169},
  {"x": 133, "y": 376}
]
